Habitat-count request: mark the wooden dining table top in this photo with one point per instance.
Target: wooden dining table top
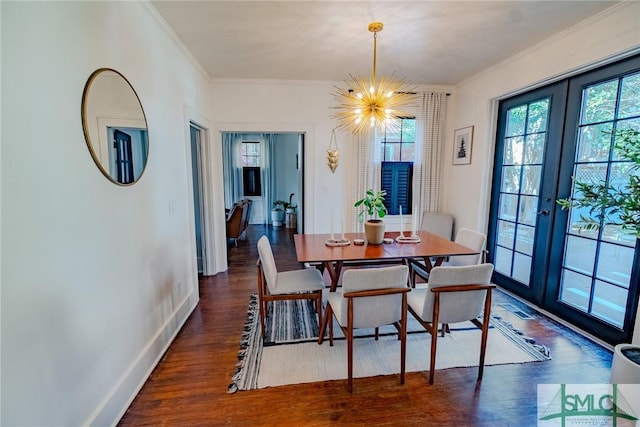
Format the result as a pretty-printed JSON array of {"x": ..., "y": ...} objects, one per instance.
[{"x": 312, "y": 248}]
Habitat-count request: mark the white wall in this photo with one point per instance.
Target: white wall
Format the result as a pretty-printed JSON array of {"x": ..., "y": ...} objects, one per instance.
[
  {"x": 96, "y": 278},
  {"x": 467, "y": 188},
  {"x": 280, "y": 107}
]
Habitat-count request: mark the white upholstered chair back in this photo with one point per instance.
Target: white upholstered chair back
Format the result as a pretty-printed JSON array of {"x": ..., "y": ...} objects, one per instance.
[
  {"x": 471, "y": 239},
  {"x": 438, "y": 223},
  {"x": 268, "y": 263},
  {"x": 457, "y": 306},
  {"x": 371, "y": 312}
]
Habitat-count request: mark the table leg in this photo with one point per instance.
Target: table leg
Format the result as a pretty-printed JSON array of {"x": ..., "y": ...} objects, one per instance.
[{"x": 334, "y": 273}]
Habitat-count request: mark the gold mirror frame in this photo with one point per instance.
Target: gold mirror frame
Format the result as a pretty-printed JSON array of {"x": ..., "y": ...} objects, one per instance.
[{"x": 115, "y": 126}]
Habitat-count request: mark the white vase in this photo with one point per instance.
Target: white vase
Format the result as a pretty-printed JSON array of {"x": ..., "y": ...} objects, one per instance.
[
  {"x": 624, "y": 370},
  {"x": 277, "y": 217}
]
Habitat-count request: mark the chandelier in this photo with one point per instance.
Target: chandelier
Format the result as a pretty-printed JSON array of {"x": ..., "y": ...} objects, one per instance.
[{"x": 368, "y": 104}]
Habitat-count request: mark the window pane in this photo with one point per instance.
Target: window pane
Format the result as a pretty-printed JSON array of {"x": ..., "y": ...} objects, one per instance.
[
  {"x": 508, "y": 206},
  {"x": 591, "y": 173},
  {"x": 580, "y": 254},
  {"x": 516, "y": 118},
  {"x": 538, "y": 112},
  {"x": 522, "y": 268},
  {"x": 599, "y": 102},
  {"x": 528, "y": 210},
  {"x": 408, "y": 152},
  {"x": 524, "y": 239},
  {"x": 530, "y": 179},
  {"x": 409, "y": 130},
  {"x": 614, "y": 264},
  {"x": 534, "y": 152},
  {"x": 510, "y": 179},
  {"x": 609, "y": 303},
  {"x": 502, "y": 261},
  {"x": 513, "y": 148},
  {"x": 576, "y": 226},
  {"x": 615, "y": 234},
  {"x": 506, "y": 233},
  {"x": 575, "y": 289},
  {"x": 594, "y": 143},
  {"x": 630, "y": 96}
]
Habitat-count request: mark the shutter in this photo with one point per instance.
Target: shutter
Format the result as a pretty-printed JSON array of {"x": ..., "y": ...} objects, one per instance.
[{"x": 397, "y": 179}]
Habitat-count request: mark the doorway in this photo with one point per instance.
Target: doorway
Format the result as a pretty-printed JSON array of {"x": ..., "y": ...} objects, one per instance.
[
  {"x": 275, "y": 161},
  {"x": 196, "y": 137},
  {"x": 540, "y": 252}
]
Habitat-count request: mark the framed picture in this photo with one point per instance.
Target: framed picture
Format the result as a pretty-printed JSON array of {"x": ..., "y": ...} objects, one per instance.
[{"x": 462, "y": 145}]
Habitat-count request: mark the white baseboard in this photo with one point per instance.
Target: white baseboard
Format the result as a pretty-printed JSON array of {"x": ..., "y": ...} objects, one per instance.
[{"x": 129, "y": 384}]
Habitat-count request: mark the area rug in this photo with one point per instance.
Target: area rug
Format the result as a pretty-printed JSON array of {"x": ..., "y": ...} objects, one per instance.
[{"x": 290, "y": 353}]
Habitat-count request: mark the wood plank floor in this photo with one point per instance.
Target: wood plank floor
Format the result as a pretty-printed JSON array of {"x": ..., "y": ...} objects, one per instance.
[{"x": 189, "y": 385}]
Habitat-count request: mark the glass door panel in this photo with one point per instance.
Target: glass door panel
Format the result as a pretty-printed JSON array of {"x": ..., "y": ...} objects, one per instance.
[
  {"x": 598, "y": 262},
  {"x": 548, "y": 139}
]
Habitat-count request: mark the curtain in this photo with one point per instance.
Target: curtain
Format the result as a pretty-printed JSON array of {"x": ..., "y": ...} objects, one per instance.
[
  {"x": 231, "y": 168},
  {"x": 427, "y": 166},
  {"x": 268, "y": 174},
  {"x": 365, "y": 173}
]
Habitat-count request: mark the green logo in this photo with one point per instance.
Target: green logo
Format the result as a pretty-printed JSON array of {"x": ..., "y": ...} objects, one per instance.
[{"x": 591, "y": 404}]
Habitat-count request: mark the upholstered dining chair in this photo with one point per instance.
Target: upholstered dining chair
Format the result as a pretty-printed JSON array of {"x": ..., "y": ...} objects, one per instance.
[
  {"x": 440, "y": 223},
  {"x": 454, "y": 294},
  {"x": 466, "y": 237},
  {"x": 275, "y": 285},
  {"x": 369, "y": 298}
]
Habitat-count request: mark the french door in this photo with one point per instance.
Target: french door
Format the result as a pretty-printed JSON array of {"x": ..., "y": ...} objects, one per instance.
[{"x": 545, "y": 137}]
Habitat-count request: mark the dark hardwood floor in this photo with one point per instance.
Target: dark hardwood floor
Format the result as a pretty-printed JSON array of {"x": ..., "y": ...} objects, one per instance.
[{"x": 189, "y": 385}]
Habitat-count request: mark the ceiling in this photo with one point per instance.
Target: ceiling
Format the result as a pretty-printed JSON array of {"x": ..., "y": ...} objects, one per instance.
[{"x": 426, "y": 42}]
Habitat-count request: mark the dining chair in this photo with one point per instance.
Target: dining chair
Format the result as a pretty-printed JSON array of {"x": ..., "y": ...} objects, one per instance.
[
  {"x": 454, "y": 294},
  {"x": 440, "y": 223},
  {"x": 369, "y": 298},
  {"x": 274, "y": 285},
  {"x": 466, "y": 237}
]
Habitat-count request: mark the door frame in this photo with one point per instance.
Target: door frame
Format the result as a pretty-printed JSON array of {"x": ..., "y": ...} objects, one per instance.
[{"x": 214, "y": 167}]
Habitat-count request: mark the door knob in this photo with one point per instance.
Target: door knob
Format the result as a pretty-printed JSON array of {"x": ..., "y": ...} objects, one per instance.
[{"x": 544, "y": 212}]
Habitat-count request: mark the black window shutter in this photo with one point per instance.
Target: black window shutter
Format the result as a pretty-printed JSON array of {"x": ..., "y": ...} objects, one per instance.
[{"x": 397, "y": 179}]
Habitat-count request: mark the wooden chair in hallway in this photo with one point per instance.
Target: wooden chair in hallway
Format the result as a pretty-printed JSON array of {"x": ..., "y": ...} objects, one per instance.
[{"x": 273, "y": 285}]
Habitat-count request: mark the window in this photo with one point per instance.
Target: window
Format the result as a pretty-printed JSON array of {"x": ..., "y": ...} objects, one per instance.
[
  {"x": 250, "y": 155},
  {"x": 397, "y": 147}
]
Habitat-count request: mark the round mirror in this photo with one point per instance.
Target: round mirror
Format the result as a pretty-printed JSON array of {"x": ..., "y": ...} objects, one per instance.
[{"x": 115, "y": 126}]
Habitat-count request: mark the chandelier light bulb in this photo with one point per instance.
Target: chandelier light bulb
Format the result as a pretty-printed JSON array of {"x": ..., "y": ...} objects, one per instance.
[
  {"x": 358, "y": 111},
  {"x": 359, "y": 95}
]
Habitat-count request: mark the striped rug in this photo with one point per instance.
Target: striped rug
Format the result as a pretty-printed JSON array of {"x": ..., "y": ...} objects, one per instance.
[{"x": 291, "y": 338}]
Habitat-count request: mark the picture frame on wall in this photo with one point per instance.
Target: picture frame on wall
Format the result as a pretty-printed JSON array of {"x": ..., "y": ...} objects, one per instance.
[{"x": 462, "y": 145}]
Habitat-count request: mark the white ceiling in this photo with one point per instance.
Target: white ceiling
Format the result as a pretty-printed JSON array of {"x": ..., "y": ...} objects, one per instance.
[{"x": 426, "y": 42}]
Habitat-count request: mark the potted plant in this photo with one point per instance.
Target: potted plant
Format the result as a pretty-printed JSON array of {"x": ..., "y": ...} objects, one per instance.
[
  {"x": 617, "y": 204},
  {"x": 277, "y": 213},
  {"x": 372, "y": 205},
  {"x": 608, "y": 204},
  {"x": 290, "y": 211}
]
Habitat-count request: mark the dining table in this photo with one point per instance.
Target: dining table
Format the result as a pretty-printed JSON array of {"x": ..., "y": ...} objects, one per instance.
[{"x": 322, "y": 249}]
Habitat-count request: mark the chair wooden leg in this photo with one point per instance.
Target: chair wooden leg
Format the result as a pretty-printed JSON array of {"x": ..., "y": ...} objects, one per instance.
[
  {"x": 434, "y": 336},
  {"x": 377, "y": 334},
  {"x": 263, "y": 310},
  {"x": 350, "y": 346},
  {"x": 323, "y": 327},
  {"x": 319, "y": 308},
  {"x": 485, "y": 333},
  {"x": 403, "y": 338}
]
